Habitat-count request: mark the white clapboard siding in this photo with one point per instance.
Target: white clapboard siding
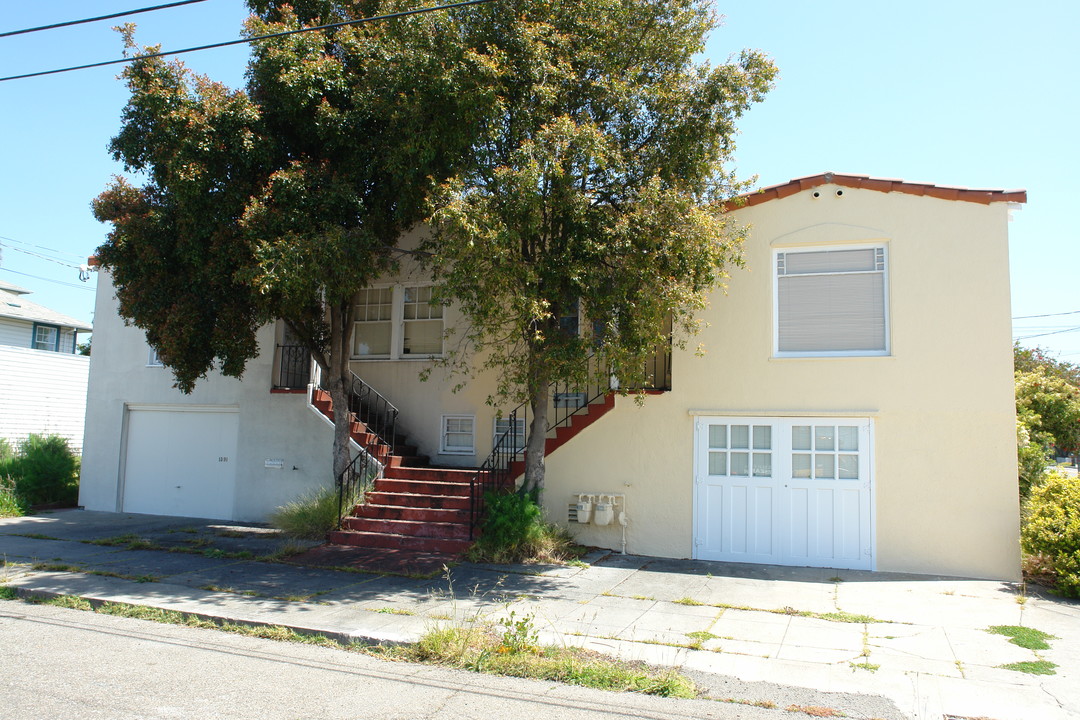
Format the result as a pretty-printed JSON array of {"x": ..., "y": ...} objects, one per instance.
[
  {"x": 15, "y": 332},
  {"x": 42, "y": 392}
]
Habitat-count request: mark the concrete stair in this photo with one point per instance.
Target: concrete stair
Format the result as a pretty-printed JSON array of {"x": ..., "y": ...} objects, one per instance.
[
  {"x": 413, "y": 506},
  {"x": 420, "y": 508}
]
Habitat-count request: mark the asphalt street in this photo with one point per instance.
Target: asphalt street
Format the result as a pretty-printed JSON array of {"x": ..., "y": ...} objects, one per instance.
[{"x": 78, "y": 665}]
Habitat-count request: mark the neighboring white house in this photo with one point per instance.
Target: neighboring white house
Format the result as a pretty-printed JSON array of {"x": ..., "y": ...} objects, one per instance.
[
  {"x": 42, "y": 378},
  {"x": 854, "y": 407}
]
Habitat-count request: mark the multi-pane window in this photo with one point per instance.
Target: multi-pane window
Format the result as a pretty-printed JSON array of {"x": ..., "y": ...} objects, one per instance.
[
  {"x": 457, "y": 435},
  {"x": 46, "y": 337},
  {"x": 809, "y": 449},
  {"x": 395, "y": 322},
  {"x": 831, "y": 302},
  {"x": 515, "y": 441},
  {"x": 825, "y": 452},
  {"x": 422, "y": 321},
  {"x": 739, "y": 450},
  {"x": 373, "y": 329}
]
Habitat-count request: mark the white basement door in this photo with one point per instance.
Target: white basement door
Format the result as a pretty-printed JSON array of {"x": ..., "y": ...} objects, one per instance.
[
  {"x": 784, "y": 491},
  {"x": 181, "y": 461}
]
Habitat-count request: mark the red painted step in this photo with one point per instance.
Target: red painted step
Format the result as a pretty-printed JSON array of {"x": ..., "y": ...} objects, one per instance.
[
  {"x": 358, "y": 538},
  {"x": 417, "y": 514}
]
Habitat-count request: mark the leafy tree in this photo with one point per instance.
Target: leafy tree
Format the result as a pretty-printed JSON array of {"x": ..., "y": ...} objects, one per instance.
[
  {"x": 1050, "y": 407},
  {"x": 1029, "y": 359},
  {"x": 599, "y": 184},
  {"x": 286, "y": 199}
]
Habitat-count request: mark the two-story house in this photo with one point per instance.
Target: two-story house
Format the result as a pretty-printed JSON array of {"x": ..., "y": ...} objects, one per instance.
[
  {"x": 853, "y": 407},
  {"x": 42, "y": 378}
]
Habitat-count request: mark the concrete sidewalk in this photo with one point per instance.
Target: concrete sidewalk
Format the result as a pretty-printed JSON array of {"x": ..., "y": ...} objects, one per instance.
[{"x": 919, "y": 641}]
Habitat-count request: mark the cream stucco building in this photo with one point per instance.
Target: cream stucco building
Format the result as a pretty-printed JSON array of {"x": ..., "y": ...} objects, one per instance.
[{"x": 853, "y": 407}]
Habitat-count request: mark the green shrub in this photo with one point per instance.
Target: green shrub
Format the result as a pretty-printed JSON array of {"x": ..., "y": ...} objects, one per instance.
[
  {"x": 312, "y": 516},
  {"x": 6, "y": 451},
  {"x": 514, "y": 531},
  {"x": 1052, "y": 529},
  {"x": 11, "y": 505},
  {"x": 1032, "y": 454},
  {"x": 45, "y": 471}
]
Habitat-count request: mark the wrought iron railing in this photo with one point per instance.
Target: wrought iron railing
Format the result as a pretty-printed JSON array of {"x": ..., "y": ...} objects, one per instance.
[
  {"x": 379, "y": 417},
  {"x": 294, "y": 366},
  {"x": 567, "y": 399},
  {"x": 658, "y": 369},
  {"x": 376, "y": 412},
  {"x": 355, "y": 480}
]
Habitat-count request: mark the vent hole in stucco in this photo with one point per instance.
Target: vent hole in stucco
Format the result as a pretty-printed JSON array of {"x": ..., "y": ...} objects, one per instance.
[{"x": 839, "y": 193}]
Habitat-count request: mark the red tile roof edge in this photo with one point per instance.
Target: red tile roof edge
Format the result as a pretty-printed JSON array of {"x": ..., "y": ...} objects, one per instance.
[{"x": 866, "y": 182}]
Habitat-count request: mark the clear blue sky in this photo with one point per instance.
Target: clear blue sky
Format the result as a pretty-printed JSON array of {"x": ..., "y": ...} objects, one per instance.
[{"x": 978, "y": 94}]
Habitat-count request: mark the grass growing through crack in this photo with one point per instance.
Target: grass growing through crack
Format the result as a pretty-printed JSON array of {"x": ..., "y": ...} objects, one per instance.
[
  {"x": 68, "y": 567},
  {"x": 483, "y": 650},
  {"x": 1032, "y": 667},
  {"x": 1025, "y": 637}
]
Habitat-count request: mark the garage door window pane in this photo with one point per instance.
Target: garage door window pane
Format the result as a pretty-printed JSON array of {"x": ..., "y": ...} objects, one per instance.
[
  {"x": 849, "y": 467},
  {"x": 824, "y": 466},
  {"x": 718, "y": 463},
  {"x": 762, "y": 437},
  {"x": 824, "y": 437},
  {"x": 800, "y": 465},
  {"x": 740, "y": 436},
  {"x": 740, "y": 464},
  {"x": 800, "y": 437},
  {"x": 848, "y": 438},
  {"x": 718, "y": 436},
  {"x": 762, "y": 464}
]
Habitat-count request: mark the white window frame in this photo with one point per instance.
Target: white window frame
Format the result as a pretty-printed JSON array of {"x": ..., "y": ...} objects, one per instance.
[
  {"x": 444, "y": 449},
  {"x": 53, "y": 340},
  {"x": 886, "y": 351},
  {"x": 152, "y": 359},
  {"x": 397, "y": 327},
  {"x": 393, "y": 306},
  {"x": 497, "y": 431}
]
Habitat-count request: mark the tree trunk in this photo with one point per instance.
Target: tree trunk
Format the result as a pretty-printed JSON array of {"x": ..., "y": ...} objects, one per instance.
[
  {"x": 534, "y": 448},
  {"x": 339, "y": 396},
  {"x": 339, "y": 380}
]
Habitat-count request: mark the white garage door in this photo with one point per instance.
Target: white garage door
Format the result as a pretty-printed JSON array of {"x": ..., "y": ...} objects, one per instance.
[
  {"x": 181, "y": 461},
  {"x": 785, "y": 491}
]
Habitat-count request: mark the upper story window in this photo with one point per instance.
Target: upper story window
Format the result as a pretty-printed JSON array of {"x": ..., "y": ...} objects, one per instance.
[
  {"x": 396, "y": 322},
  {"x": 374, "y": 322},
  {"x": 46, "y": 337},
  {"x": 152, "y": 359},
  {"x": 832, "y": 302}
]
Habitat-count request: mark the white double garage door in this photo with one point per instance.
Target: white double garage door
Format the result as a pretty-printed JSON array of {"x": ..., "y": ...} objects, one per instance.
[
  {"x": 180, "y": 460},
  {"x": 784, "y": 491}
]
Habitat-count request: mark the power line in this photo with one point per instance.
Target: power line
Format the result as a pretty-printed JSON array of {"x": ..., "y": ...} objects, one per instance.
[
  {"x": 1028, "y": 317},
  {"x": 58, "y": 282},
  {"x": 100, "y": 17},
  {"x": 42, "y": 247},
  {"x": 242, "y": 41},
  {"x": 38, "y": 255},
  {"x": 1056, "y": 332}
]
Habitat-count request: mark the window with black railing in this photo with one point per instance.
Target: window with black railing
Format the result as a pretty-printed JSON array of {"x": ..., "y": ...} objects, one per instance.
[{"x": 294, "y": 367}]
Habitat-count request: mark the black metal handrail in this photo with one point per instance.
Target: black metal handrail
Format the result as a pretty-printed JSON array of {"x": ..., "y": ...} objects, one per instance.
[
  {"x": 568, "y": 398},
  {"x": 379, "y": 417},
  {"x": 294, "y": 366},
  {"x": 354, "y": 481},
  {"x": 373, "y": 409}
]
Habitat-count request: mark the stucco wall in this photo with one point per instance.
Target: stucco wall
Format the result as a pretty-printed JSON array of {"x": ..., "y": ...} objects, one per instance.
[
  {"x": 942, "y": 401},
  {"x": 271, "y": 425}
]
